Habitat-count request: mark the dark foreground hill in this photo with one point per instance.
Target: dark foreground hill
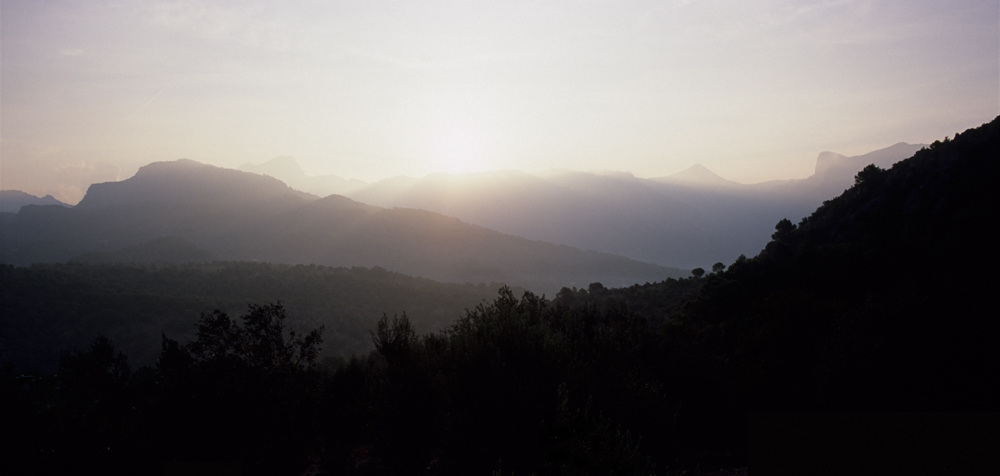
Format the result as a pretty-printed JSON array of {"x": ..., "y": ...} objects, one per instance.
[
  {"x": 878, "y": 300},
  {"x": 860, "y": 341},
  {"x": 862, "y": 338},
  {"x": 231, "y": 215}
]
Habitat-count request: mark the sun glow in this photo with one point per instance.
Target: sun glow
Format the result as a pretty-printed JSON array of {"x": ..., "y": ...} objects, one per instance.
[{"x": 460, "y": 147}]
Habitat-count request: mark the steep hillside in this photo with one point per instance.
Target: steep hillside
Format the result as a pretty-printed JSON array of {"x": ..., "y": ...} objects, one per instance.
[
  {"x": 878, "y": 300},
  {"x": 835, "y": 172}
]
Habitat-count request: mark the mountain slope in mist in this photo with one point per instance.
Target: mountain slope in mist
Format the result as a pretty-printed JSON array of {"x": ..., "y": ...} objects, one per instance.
[
  {"x": 835, "y": 172},
  {"x": 11, "y": 201},
  {"x": 287, "y": 170},
  {"x": 697, "y": 175},
  {"x": 237, "y": 215},
  {"x": 693, "y": 218}
]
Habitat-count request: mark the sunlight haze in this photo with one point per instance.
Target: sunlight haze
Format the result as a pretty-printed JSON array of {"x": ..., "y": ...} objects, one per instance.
[{"x": 90, "y": 91}]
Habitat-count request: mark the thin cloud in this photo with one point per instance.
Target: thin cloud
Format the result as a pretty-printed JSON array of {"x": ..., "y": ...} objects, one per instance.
[{"x": 247, "y": 25}]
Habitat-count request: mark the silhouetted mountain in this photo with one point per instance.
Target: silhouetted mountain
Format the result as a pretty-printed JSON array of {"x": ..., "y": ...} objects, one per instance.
[
  {"x": 698, "y": 174},
  {"x": 287, "y": 170},
  {"x": 243, "y": 216},
  {"x": 835, "y": 172},
  {"x": 11, "y": 201},
  {"x": 185, "y": 181},
  {"x": 694, "y": 218},
  {"x": 182, "y": 198}
]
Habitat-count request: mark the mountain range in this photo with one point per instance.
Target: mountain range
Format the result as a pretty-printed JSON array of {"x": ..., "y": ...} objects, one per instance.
[
  {"x": 11, "y": 201},
  {"x": 227, "y": 214},
  {"x": 690, "y": 219},
  {"x": 563, "y": 228},
  {"x": 287, "y": 170}
]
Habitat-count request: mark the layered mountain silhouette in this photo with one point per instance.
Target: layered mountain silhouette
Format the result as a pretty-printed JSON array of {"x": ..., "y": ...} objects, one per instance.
[
  {"x": 835, "y": 172},
  {"x": 232, "y": 215},
  {"x": 880, "y": 299},
  {"x": 287, "y": 170},
  {"x": 11, "y": 201},
  {"x": 698, "y": 175},
  {"x": 693, "y": 218}
]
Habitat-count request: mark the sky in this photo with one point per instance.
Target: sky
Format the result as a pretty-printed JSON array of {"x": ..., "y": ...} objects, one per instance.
[{"x": 90, "y": 90}]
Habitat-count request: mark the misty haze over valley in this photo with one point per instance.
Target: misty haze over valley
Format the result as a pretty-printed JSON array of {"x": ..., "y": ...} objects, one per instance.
[
  {"x": 440, "y": 238},
  {"x": 839, "y": 312},
  {"x": 690, "y": 219}
]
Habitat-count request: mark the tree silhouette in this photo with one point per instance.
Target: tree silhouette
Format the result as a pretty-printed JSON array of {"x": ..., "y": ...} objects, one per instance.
[
  {"x": 870, "y": 173},
  {"x": 783, "y": 231},
  {"x": 394, "y": 339},
  {"x": 260, "y": 343}
]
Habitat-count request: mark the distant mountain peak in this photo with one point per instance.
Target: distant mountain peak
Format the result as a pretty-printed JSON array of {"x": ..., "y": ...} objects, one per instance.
[
  {"x": 832, "y": 162},
  {"x": 826, "y": 159},
  {"x": 287, "y": 169},
  {"x": 698, "y": 174},
  {"x": 282, "y": 167}
]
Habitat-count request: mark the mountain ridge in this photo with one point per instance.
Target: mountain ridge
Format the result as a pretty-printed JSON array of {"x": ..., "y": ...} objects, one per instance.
[
  {"x": 675, "y": 221},
  {"x": 11, "y": 201},
  {"x": 198, "y": 182},
  {"x": 236, "y": 215},
  {"x": 698, "y": 174},
  {"x": 288, "y": 170}
]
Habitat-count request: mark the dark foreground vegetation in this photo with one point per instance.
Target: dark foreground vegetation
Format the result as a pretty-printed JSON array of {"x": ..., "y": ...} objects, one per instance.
[
  {"x": 49, "y": 308},
  {"x": 877, "y": 308}
]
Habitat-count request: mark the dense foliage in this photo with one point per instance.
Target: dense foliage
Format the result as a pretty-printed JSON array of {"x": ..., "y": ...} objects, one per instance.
[
  {"x": 517, "y": 386},
  {"x": 51, "y": 308},
  {"x": 876, "y": 301}
]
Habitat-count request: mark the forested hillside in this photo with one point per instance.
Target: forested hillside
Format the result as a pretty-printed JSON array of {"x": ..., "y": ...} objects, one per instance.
[
  {"x": 48, "y": 309},
  {"x": 877, "y": 300},
  {"x": 876, "y": 303}
]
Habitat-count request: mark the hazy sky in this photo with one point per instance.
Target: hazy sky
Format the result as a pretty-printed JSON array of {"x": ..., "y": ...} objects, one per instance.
[{"x": 91, "y": 89}]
